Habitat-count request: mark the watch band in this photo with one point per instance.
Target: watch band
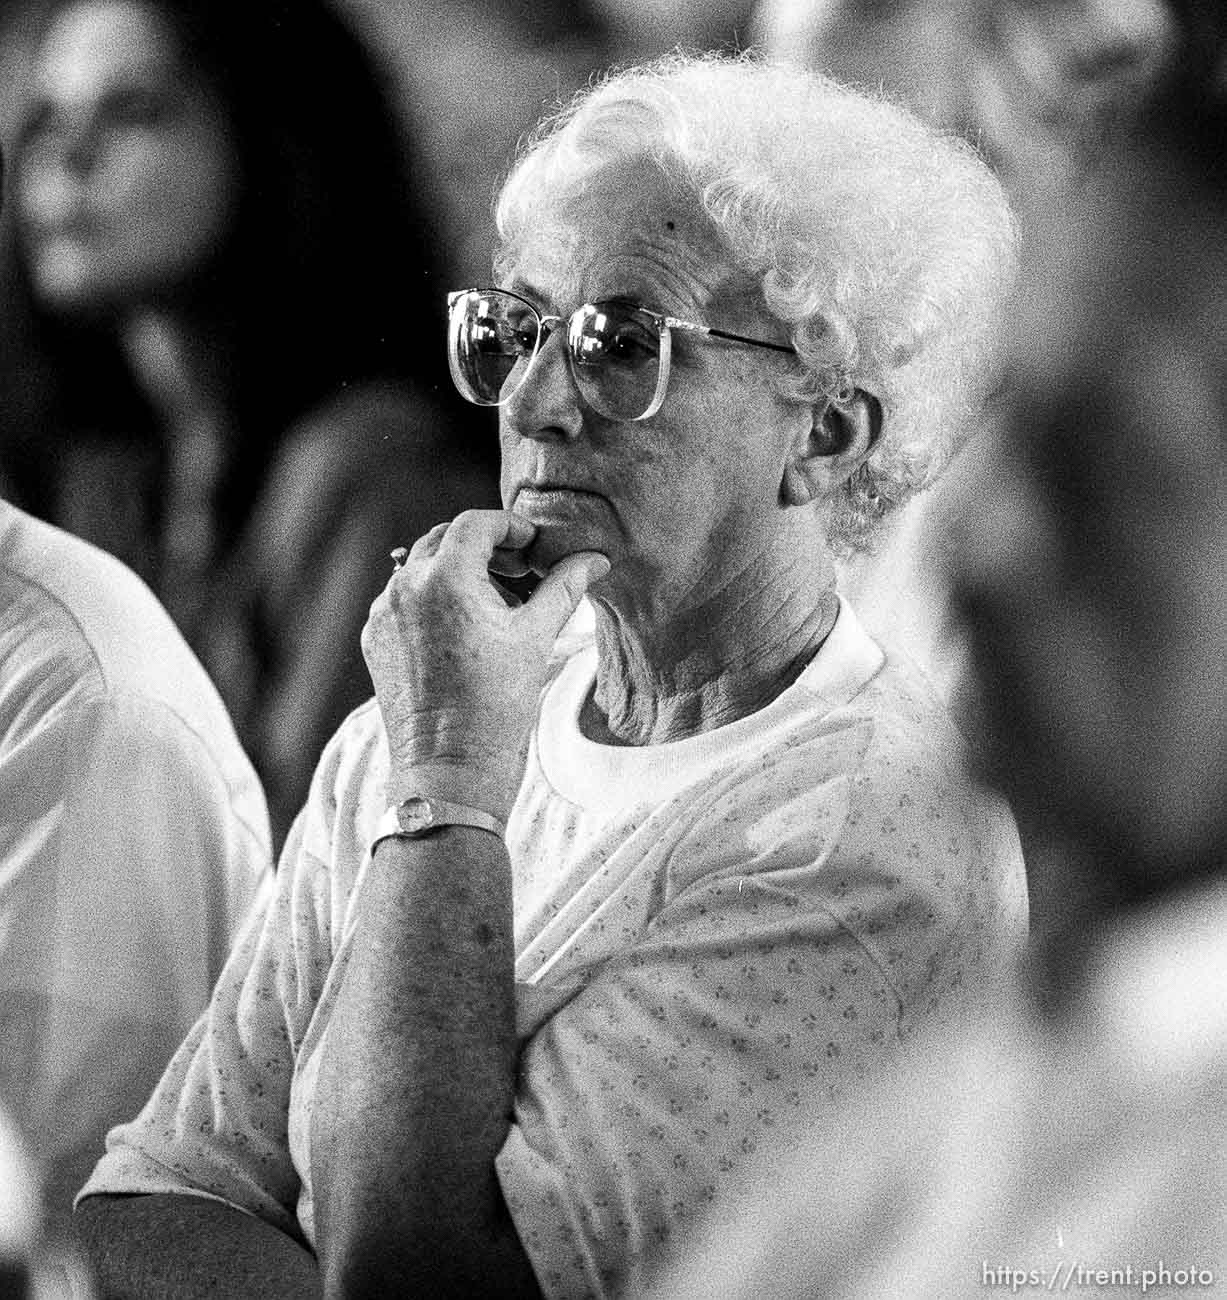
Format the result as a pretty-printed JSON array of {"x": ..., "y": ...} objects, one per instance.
[{"x": 419, "y": 815}]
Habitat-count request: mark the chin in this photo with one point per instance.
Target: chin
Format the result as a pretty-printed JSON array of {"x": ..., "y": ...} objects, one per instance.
[
  {"x": 75, "y": 288},
  {"x": 565, "y": 524},
  {"x": 63, "y": 283},
  {"x": 553, "y": 544}
]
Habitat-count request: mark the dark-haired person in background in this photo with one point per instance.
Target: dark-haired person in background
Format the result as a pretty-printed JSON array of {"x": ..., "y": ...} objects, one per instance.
[{"x": 224, "y": 365}]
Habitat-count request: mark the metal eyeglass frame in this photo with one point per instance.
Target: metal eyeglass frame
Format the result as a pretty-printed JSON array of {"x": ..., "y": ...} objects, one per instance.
[{"x": 664, "y": 325}]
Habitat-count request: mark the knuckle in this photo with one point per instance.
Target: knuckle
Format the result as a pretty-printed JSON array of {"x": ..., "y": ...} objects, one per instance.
[
  {"x": 427, "y": 540},
  {"x": 367, "y": 639},
  {"x": 468, "y": 521}
]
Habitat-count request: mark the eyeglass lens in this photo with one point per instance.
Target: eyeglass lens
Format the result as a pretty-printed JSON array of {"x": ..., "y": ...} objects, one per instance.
[{"x": 614, "y": 350}]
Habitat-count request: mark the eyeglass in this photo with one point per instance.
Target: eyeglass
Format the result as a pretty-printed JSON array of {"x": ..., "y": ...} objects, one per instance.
[{"x": 618, "y": 353}]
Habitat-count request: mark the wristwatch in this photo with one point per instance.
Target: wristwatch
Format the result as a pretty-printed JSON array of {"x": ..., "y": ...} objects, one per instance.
[{"x": 418, "y": 815}]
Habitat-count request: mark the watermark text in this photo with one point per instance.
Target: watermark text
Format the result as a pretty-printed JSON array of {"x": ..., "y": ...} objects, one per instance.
[{"x": 1063, "y": 1276}]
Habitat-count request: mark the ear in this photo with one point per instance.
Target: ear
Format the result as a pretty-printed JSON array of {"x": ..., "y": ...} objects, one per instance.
[{"x": 838, "y": 442}]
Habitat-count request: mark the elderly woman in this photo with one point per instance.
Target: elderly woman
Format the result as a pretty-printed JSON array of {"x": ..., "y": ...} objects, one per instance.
[{"x": 570, "y": 923}]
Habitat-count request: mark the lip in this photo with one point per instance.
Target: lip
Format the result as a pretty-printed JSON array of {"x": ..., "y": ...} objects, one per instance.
[
  {"x": 74, "y": 226},
  {"x": 545, "y": 493}
]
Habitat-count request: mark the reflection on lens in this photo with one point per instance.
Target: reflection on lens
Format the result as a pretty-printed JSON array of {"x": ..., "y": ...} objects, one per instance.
[
  {"x": 490, "y": 333},
  {"x": 618, "y": 354},
  {"x": 615, "y": 359}
]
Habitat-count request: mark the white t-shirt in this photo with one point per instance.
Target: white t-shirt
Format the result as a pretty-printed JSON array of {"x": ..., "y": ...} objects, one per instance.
[
  {"x": 133, "y": 842},
  {"x": 714, "y": 939}
]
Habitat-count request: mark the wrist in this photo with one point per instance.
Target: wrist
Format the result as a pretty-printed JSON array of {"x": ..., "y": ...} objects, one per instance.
[
  {"x": 423, "y": 815},
  {"x": 463, "y": 784}
]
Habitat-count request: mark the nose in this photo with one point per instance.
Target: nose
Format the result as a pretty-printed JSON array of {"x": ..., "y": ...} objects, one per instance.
[
  {"x": 73, "y": 146},
  {"x": 80, "y": 151},
  {"x": 547, "y": 405}
]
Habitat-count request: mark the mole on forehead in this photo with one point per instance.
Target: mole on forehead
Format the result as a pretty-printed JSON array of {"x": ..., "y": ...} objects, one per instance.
[
  {"x": 659, "y": 258},
  {"x": 635, "y": 192}
]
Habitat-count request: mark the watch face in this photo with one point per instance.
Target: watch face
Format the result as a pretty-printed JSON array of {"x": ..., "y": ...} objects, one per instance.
[{"x": 415, "y": 814}]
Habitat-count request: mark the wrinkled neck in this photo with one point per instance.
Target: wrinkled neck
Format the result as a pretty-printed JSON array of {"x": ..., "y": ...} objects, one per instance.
[{"x": 710, "y": 661}]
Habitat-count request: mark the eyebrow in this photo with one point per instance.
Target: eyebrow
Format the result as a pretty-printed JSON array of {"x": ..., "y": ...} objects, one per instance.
[
  {"x": 626, "y": 300},
  {"x": 525, "y": 289},
  {"x": 531, "y": 291}
]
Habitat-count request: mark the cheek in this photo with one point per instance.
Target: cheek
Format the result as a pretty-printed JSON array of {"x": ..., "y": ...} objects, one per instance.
[
  {"x": 150, "y": 211},
  {"x": 173, "y": 197},
  {"x": 514, "y": 460},
  {"x": 506, "y": 474}
]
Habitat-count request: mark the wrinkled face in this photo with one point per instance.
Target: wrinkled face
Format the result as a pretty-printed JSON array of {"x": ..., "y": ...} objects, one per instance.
[
  {"x": 1091, "y": 557},
  {"x": 127, "y": 174},
  {"x": 684, "y": 500}
]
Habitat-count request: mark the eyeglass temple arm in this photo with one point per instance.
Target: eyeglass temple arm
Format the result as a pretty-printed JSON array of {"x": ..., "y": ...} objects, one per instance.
[{"x": 674, "y": 323}]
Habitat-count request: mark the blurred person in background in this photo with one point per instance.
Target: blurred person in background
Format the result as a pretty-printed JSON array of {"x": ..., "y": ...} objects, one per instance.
[
  {"x": 510, "y": 59},
  {"x": 224, "y": 366},
  {"x": 134, "y": 840},
  {"x": 1082, "y": 1127},
  {"x": 1035, "y": 85},
  {"x": 563, "y": 935},
  {"x": 506, "y": 60}
]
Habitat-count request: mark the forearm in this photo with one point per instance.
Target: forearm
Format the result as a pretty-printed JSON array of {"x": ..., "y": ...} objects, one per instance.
[
  {"x": 417, "y": 1079},
  {"x": 157, "y": 1246}
]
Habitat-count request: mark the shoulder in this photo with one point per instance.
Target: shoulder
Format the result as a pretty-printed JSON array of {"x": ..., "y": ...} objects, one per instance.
[
  {"x": 880, "y": 708},
  {"x": 918, "y": 776},
  {"x": 83, "y": 640},
  {"x": 916, "y": 806},
  {"x": 911, "y": 808},
  {"x": 99, "y": 610},
  {"x": 857, "y": 684}
]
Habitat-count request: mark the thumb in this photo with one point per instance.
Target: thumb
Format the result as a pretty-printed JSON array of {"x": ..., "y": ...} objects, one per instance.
[{"x": 560, "y": 591}]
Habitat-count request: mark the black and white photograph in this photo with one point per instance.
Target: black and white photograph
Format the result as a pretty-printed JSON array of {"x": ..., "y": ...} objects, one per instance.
[{"x": 613, "y": 649}]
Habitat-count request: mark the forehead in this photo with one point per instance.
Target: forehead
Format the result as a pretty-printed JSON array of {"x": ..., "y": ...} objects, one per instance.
[
  {"x": 97, "y": 43},
  {"x": 626, "y": 230}
]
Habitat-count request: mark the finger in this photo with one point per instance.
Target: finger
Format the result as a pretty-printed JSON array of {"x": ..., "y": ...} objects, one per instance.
[
  {"x": 563, "y": 587},
  {"x": 481, "y": 532},
  {"x": 508, "y": 563},
  {"x": 515, "y": 591},
  {"x": 428, "y": 544}
]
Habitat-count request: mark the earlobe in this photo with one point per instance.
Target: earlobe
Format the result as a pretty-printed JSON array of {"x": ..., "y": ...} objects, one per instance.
[
  {"x": 840, "y": 440},
  {"x": 794, "y": 486}
]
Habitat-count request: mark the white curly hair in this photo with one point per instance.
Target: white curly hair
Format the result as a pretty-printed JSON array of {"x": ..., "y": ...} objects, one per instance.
[{"x": 885, "y": 247}]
